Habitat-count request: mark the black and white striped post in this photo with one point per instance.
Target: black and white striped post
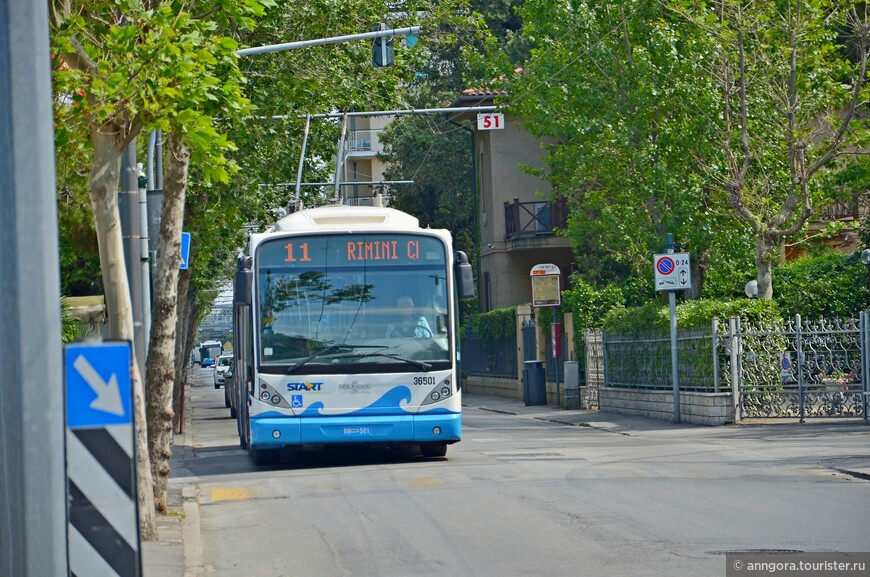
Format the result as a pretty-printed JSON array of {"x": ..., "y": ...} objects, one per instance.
[{"x": 103, "y": 528}]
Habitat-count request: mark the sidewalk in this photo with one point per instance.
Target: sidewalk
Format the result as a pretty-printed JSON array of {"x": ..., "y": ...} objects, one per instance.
[{"x": 179, "y": 551}]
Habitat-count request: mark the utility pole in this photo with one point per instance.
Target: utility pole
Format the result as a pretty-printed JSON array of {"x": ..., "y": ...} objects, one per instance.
[
  {"x": 33, "y": 506},
  {"x": 128, "y": 206}
]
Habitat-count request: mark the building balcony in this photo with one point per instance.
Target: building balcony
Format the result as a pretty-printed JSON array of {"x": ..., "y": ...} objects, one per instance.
[
  {"x": 534, "y": 219},
  {"x": 363, "y": 141}
]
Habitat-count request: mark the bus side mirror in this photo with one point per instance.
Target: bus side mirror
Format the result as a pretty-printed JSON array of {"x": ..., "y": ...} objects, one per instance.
[
  {"x": 464, "y": 276},
  {"x": 242, "y": 293}
]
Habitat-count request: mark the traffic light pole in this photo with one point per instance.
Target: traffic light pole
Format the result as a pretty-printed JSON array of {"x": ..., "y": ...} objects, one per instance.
[{"x": 324, "y": 41}]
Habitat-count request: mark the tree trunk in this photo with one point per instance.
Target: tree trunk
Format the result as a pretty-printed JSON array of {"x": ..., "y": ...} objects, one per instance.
[
  {"x": 161, "y": 361},
  {"x": 183, "y": 348},
  {"x": 104, "y": 179},
  {"x": 699, "y": 265},
  {"x": 765, "y": 253}
]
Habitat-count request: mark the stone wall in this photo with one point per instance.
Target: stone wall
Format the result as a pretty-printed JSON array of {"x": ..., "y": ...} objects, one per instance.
[
  {"x": 506, "y": 388},
  {"x": 695, "y": 408}
]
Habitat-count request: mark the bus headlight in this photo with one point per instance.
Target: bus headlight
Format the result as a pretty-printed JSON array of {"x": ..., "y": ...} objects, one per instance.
[
  {"x": 440, "y": 392},
  {"x": 271, "y": 396}
]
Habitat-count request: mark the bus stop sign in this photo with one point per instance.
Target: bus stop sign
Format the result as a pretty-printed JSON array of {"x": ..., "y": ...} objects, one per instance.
[{"x": 546, "y": 286}]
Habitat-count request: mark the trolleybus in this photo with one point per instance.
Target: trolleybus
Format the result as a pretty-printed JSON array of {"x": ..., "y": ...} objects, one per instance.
[{"x": 345, "y": 325}]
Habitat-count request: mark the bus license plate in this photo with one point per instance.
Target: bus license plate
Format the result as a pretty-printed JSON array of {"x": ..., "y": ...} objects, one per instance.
[{"x": 357, "y": 431}]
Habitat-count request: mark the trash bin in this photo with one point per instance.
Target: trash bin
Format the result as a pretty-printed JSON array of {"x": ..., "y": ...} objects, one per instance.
[{"x": 534, "y": 383}]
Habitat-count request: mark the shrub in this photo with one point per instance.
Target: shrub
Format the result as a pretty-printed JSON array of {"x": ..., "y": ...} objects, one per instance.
[
  {"x": 828, "y": 285},
  {"x": 654, "y": 318},
  {"x": 496, "y": 324}
]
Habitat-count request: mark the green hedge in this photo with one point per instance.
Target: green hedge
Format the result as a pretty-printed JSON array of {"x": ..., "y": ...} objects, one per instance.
[
  {"x": 695, "y": 314},
  {"x": 495, "y": 325},
  {"x": 828, "y": 285}
]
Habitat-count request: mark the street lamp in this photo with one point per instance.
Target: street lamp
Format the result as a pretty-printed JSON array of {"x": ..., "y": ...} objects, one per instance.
[
  {"x": 865, "y": 258},
  {"x": 751, "y": 288}
]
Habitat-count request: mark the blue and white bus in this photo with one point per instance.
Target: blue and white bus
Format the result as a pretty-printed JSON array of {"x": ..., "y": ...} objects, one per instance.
[{"x": 345, "y": 322}]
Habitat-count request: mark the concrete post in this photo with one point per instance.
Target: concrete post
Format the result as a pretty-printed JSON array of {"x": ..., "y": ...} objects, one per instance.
[{"x": 33, "y": 510}]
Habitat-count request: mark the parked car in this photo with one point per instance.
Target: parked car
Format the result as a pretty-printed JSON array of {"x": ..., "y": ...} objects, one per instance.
[
  {"x": 221, "y": 366},
  {"x": 228, "y": 379},
  {"x": 207, "y": 362}
]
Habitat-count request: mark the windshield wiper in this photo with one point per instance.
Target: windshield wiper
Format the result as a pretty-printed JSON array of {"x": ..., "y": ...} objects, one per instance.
[
  {"x": 328, "y": 350},
  {"x": 419, "y": 364}
]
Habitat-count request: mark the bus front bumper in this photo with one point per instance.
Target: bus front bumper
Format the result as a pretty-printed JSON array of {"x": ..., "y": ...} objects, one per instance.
[{"x": 273, "y": 432}]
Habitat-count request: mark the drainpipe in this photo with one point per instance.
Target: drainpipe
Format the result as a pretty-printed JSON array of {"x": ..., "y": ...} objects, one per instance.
[{"x": 476, "y": 221}]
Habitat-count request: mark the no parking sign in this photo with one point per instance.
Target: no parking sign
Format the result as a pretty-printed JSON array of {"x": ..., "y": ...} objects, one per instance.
[{"x": 673, "y": 271}]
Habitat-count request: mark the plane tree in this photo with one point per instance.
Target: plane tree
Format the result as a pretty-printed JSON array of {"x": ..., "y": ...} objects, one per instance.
[
  {"x": 720, "y": 122},
  {"x": 615, "y": 86},
  {"x": 791, "y": 80},
  {"x": 121, "y": 67}
]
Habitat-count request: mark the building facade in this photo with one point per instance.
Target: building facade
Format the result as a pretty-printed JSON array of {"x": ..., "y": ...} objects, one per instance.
[{"x": 518, "y": 216}]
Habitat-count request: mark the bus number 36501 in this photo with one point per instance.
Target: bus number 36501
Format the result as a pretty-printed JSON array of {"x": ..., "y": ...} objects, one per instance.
[{"x": 424, "y": 380}]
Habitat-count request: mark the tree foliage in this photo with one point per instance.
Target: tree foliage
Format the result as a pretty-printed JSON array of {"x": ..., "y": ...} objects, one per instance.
[
  {"x": 126, "y": 65},
  {"x": 614, "y": 84},
  {"x": 703, "y": 119},
  {"x": 791, "y": 77}
]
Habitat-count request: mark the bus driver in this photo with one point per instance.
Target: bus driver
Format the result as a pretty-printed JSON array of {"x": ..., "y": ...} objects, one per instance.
[{"x": 410, "y": 323}]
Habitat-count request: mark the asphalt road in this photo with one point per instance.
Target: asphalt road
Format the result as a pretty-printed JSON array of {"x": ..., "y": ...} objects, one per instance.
[{"x": 555, "y": 493}]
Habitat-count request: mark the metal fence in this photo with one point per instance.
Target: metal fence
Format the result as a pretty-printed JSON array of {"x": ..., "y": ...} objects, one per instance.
[
  {"x": 645, "y": 362},
  {"x": 794, "y": 369},
  {"x": 802, "y": 369},
  {"x": 496, "y": 359}
]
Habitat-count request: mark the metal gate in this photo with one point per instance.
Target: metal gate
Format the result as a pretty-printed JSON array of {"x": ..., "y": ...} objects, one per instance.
[
  {"x": 594, "y": 367},
  {"x": 800, "y": 369}
]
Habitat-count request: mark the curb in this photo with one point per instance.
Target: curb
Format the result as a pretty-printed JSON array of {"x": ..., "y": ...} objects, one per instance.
[
  {"x": 191, "y": 530},
  {"x": 191, "y": 534}
]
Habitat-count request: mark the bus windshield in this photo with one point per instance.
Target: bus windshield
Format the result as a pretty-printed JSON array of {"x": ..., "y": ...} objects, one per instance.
[{"x": 352, "y": 303}]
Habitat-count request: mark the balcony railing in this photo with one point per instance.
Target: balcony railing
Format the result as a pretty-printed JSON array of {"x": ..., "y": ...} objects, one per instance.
[
  {"x": 841, "y": 210},
  {"x": 534, "y": 219},
  {"x": 360, "y": 140}
]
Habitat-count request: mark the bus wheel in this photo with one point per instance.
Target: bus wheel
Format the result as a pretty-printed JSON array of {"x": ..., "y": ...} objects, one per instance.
[
  {"x": 433, "y": 449},
  {"x": 263, "y": 457}
]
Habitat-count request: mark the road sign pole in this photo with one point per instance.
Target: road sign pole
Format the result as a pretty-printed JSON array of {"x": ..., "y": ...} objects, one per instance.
[
  {"x": 672, "y": 273},
  {"x": 675, "y": 373}
]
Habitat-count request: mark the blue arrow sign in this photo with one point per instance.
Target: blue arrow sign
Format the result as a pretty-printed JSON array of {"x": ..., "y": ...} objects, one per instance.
[
  {"x": 185, "y": 250},
  {"x": 99, "y": 389}
]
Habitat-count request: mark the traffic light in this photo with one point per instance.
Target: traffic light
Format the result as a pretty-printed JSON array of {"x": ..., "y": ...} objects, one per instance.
[{"x": 383, "y": 52}]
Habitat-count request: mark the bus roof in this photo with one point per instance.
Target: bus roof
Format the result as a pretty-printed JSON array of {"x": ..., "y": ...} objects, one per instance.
[{"x": 342, "y": 217}]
